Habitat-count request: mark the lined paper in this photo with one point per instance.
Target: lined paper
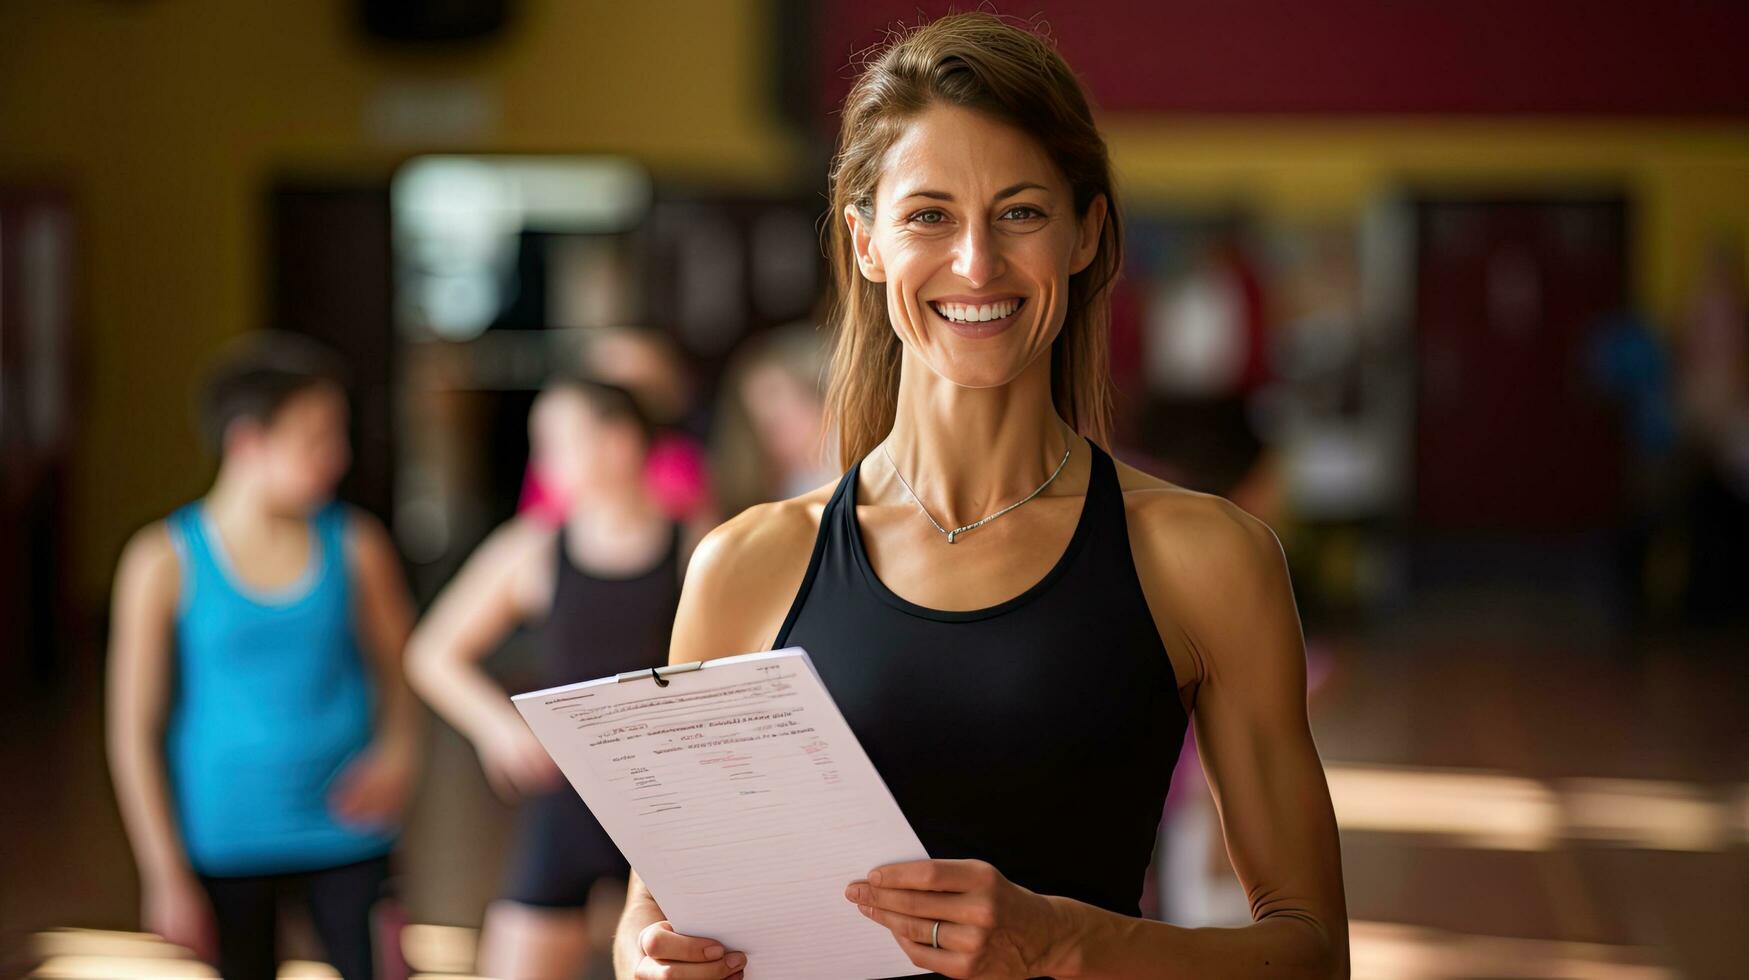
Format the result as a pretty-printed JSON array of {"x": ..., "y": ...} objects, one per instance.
[{"x": 745, "y": 803}]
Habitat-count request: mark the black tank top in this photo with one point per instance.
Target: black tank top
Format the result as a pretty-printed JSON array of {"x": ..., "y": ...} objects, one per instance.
[
  {"x": 600, "y": 625},
  {"x": 1038, "y": 734}
]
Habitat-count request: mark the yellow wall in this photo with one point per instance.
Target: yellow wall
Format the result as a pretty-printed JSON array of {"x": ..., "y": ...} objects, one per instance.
[
  {"x": 1686, "y": 181},
  {"x": 168, "y": 119}
]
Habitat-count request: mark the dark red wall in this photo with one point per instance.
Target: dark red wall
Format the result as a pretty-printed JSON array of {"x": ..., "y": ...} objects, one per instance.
[{"x": 1588, "y": 57}]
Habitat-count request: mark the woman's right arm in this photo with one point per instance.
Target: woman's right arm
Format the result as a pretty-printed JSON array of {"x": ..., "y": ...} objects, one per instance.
[
  {"x": 141, "y": 663},
  {"x": 500, "y": 586},
  {"x": 738, "y": 589}
]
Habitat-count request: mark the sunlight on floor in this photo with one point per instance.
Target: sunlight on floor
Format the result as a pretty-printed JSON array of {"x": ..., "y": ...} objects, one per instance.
[
  {"x": 1386, "y": 951},
  {"x": 1381, "y": 951},
  {"x": 1477, "y": 809},
  {"x": 1500, "y": 811}
]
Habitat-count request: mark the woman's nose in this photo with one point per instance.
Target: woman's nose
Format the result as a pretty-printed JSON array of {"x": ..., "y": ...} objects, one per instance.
[{"x": 977, "y": 259}]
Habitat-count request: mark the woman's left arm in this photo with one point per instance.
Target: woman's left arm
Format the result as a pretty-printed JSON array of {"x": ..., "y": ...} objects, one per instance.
[
  {"x": 374, "y": 789},
  {"x": 1218, "y": 574}
]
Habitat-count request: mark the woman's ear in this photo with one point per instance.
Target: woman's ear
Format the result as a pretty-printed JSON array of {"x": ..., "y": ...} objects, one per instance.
[
  {"x": 1087, "y": 234},
  {"x": 868, "y": 257}
]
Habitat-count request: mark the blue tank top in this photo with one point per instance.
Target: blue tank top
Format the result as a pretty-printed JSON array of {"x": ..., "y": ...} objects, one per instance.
[{"x": 272, "y": 699}]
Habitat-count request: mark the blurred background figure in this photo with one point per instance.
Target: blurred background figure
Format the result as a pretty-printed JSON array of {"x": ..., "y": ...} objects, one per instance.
[
  {"x": 601, "y": 587},
  {"x": 1473, "y": 341},
  {"x": 1715, "y": 407},
  {"x": 261, "y": 736},
  {"x": 647, "y": 366},
  {"x": 769, "y": 442}
]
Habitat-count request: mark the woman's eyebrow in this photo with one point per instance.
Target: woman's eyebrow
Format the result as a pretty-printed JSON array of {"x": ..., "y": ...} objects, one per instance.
[{"x": 1009, "y": 191}]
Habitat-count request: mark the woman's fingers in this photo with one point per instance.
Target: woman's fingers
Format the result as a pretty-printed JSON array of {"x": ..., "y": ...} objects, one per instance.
[
  {"x": 660, "y": 941},
  {"x": 950, "y": 906},
  {"x": 539, "y": 772},
  {"x": 668, "y": 955},
  {"x": 936, "y": 875},
  {"x": 958, "y": 943},
  {"x": 649, "y": 969},
  {"x": 952, "y": 935}
]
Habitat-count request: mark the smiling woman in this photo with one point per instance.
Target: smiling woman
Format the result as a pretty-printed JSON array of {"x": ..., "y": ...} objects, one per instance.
[
  {"x": 940, "y": 93},
  {"x": 1017, "y": 627}
]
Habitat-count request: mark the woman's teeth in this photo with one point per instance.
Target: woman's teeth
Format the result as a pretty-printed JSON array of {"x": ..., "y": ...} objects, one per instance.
[{"x": 964, "y": 313}]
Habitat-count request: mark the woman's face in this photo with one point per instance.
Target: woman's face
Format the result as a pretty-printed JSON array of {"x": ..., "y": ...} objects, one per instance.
[
  {"x": 302, "y": 451},
  {"x": 785, "y": 414},
  {"x": 975, "y": 234},
  {"x": 574, "y": 449}
]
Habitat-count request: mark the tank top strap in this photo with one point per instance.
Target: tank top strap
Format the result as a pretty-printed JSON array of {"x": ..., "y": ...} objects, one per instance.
[
  {"x": 563, "y": 568},
  {"x": 832, "y": 530},
  {"x": 193, "y": 553},
  {"x": 676, "y": 535},
  {"x": 1105, "y": 496},
  {"x": 332, "y": 522}
]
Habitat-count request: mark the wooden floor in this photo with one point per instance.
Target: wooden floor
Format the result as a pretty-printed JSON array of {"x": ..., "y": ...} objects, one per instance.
[{"x": 1523, "y": 794}]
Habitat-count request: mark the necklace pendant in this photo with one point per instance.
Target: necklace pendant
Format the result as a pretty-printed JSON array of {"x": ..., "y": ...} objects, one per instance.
[{"x": 950, "y": 536}]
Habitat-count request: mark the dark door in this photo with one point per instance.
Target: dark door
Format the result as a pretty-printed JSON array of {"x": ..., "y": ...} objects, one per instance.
[
  {"x": 1511, "y": 434},
  {"x": 329, "y": 275}
]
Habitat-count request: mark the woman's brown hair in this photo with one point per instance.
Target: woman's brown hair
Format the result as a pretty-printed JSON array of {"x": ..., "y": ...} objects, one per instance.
[{"x": 982, "y": 62}]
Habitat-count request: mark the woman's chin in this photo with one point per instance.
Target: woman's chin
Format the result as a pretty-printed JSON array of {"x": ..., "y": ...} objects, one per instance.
[{"x": 980, "y": 369}]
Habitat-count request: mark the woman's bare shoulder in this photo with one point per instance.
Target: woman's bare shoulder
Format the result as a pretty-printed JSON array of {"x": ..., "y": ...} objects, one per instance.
[
  {"x": 1166, "y": 513},
  {"x": 744, "y": 576},
  {"x": 1204, "y": 564},
  {"x": 150, "y": 567},
  {"x": 771, "y": 535}
]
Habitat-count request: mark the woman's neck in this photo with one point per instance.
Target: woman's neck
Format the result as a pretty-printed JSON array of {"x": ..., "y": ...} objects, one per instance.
[
  {"x": 971, "y": 451},
  {"x": 610, "y": 508},
  {"x": 236, "y": 503}
]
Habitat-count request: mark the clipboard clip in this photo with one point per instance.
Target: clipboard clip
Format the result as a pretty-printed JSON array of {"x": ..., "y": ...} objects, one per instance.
[{"x": 657, "y": 674}]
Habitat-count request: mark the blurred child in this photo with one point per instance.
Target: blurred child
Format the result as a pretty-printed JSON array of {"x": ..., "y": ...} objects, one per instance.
[
  {"x": 261, "y": 736},
  {"x": 602, "y": 585}
]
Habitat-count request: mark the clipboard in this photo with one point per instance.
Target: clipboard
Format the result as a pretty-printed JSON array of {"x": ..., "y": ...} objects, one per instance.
[{"x": 738, "y": 792}]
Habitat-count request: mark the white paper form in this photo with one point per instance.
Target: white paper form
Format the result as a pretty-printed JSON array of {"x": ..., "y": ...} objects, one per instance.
[{"x": 744, "y": 802}]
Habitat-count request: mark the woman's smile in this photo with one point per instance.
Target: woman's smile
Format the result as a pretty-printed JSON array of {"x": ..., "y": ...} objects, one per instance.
[{"x": 973, "y": 316}]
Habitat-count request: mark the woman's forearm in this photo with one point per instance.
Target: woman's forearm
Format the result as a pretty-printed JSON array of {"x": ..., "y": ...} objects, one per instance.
[
  {"x": 397, "y": 714},
  {"x": 456, "y": 688},
  {"x": 142, "y": 793},
  {"x": 1102, "y": 945}
]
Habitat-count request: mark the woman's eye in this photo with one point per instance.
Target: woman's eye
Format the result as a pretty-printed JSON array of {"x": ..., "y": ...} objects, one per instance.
[
  {"x": 1022, "y": 212},
  {"x": 931, "y": 217}
]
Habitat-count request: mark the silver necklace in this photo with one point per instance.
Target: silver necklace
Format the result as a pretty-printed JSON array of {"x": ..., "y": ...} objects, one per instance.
[{"x": 956, "y": 532}]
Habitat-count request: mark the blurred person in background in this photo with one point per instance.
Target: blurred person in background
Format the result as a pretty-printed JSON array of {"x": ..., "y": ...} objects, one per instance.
[
  {"x": 600, "y": 587},
  {"x": 648, "y": 365},
  {"x": 261, "y": 736},
  {"x": 1714, "y": 397},
  {"x": 1024, "y": 692},
  {"x": 769, "y": 442}
]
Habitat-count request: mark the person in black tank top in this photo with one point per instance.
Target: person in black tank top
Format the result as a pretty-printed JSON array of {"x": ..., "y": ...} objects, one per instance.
[
  {"x": 600, "y": 623},
  {"x": 1015, "y": 625},
  {"x": 1081, "y": 640},
  {"x": 613, "y": 613}
]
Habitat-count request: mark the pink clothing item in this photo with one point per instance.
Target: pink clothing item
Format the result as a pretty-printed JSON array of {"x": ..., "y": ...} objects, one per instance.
[
  {"x": 538, "y": 501},
  {"x": 675, "y": 473},
  {"x": 678, "y": 475}
]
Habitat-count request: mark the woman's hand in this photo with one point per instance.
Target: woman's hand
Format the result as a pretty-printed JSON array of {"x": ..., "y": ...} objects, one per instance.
[
  {"x": 990, "y": 927},
  {"x": 175, "y": 907},
  {"x": 670, "y": 956},
  {"x": 372, "y": 791},
  {"x": 516, "y": 764}
]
